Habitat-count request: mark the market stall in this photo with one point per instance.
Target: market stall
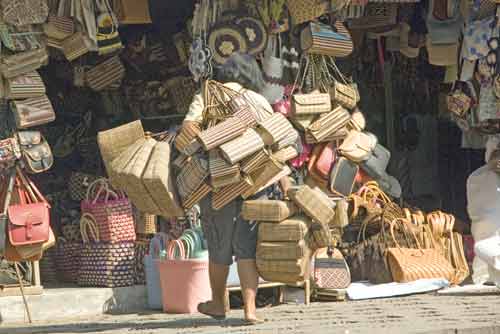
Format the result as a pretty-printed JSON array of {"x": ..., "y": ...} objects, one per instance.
[{"x": 381, "y": 111}]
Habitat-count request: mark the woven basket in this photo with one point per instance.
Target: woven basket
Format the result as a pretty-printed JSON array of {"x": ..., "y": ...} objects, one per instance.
[
  {"x": 227, "y": 194},
  {"x": 307, "y": 10},
  {"x": 315, "y": 204},
  {"x": 223, "y": 132},
  {"x": 68, "y": 260},
  {"x": 145, "y": 223},
  {"x": 182, "y": 90},
  {"x": 291, "y": 229},
  {"x": 267, "y": 210},
  {"x": 279, "y": 251},
  {"x": 290, "y": 272},
  {"x": 78, "y": 185},
  {"x": 345, "y": 95},
  {"x": 275, "y": 128},
  {"x": 222, "y": 173},
  {"x": 113, "y": 142}
]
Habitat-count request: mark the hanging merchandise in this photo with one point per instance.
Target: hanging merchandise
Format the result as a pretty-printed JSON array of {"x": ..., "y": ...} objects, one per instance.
[
  {"x": 9, "y": 153},
  {"x": 307, "y": 10},
  {"x": 200, "y": 58},
  {"x": 272, "y": 68},
  {"x": 23, "y": 38},
  {"x": 267, "y": 210},
  {"x": 224, "y": 39},
  {"x": 319, "y": 38},
  {"x": 105, "y": 74},
  {"x": 108, "y": 37},
  {"x": 132, "y": 11},
  {"x": 23, "y": 63},
  {"x": 68, "y": 259},
  {"x": 343, "y": 177},
  {"x": 380, "y": 16},
  {"x": 76, "y": 46},
  {"x": 458, "y": 102},
  {"x": 59, "y": 27},
  {"x": 23, "y": 12},
  {"x": 25, "y": 86},
  {"x": 255, "y": 33},
  {"x": 36, "y": 153},
  {"x": 32, "y": 112}
]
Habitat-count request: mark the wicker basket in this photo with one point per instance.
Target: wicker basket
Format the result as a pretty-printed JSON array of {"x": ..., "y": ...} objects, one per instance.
[
  {"x": 306, "y": 10},
  {"x": 282, "y": 251},
  {"x": 267, "y": 210},
  {"x": 292, "y": 229},
  {"x": 145, "y": 223}
]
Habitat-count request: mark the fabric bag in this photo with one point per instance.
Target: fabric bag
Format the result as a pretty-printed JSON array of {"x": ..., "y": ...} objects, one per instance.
[
  {"x": 29, "y": 85},
  {"x": 21, "y": 63},
  {"x": 111, "y": 211},
  {"x": 108, "y": 37},
  {"x": 322, "y": 39},
  {"x": 313, "y": 103},
  {"x": 20, "y": 38},
  {"x": 329, "y": 124},
  {"x": 10, "y": 152},
  {"x": 35, "y": 150},
  {"x": 59, "y": 27},
  {"x": 23, "y": 12},
  {"x": 33, "y": 112},
  {"x": 267, "y": 210},
  {"x": 330, "y": 269},
  {"x": 272, "y": 68},
  {"x": 105, "y": 74}
]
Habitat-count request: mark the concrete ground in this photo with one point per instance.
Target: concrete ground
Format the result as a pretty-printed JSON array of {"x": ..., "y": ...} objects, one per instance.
[{"x": 432, "y": 313}]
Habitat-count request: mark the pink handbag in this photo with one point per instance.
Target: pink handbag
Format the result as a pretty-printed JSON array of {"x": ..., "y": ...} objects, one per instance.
[{"x": 112, "y": 212}]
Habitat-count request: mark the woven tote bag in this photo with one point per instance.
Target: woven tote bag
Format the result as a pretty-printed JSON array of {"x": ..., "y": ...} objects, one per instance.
[
  {"x": 267, "y": 210},
  {"x": 188, "y": 132},
  {"x": 255, "y": 161},
  {"x": 292, "y": 229},
  {"x": 276, "y": 128},
  {"x": 114, "y": 141},
  {"x": 408, "y": 264},
  {"x": 285, "y": 154},
  {"x": 329, "y": 124},
  {"x": 68, "y": 260},
  {"x": 292, "y": 138},
  {"x": 338, "y": 135},
  {"x": 104, "y": 264},
  {"x": 158, "y": 179},
  {"x": 59, "y": 27},
  {"x": 192, "y": 199},
  {"x": 229, "y": 193},
  {"x": 76, "y": 46},
  {"x": 307, "y": 10},
  {"x": 321, "y": 39},
  {"x": 145, "y": 223},
  {"x": 105, "y": 74},
  {"x": 223, "y": 132},
  {"x": 311, "y": 104},
  {"x": 243, "y": 110},
  {"x": 239, "y": 148},
  {"x": 282, "y": 251},
  {"x": 314, "y": 203},
  {"x": 112, "y": 212}
]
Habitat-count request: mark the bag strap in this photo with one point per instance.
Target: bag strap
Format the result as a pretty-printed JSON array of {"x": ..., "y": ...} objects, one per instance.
[
  {"x": 88, "y": 224},
  {"x": 104, "y": 186}
]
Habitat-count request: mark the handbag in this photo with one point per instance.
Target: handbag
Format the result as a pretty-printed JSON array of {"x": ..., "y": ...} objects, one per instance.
[
  {"x": 196, "y": 196},
  {"x": 272, "y": 68},
  {"x": 59, "y": 27},
  {"x": 188, "y": 132},
  {"x": 24, "y": 12},
  {"x": 29, "y": 221},
  {"x": 307, "y": 10},
  {"x": 323, "y": 39},
  {"x": 358, "y": 146},
  {"x": 330, "y": 270},
  {"x": 221, "y": 133},
  {"x": 313, "y": 103},
  {"x": 345, "y": 94},
  {"x": 21, "y": 63},
  {"x": 222, "y": 173},
  {"x": 105, "y": 74},
  {"x": 192, "y": 176},
  {"x": 112, "y": 212},
  {"x": 229, "y": 193},
  {"x": 276, "y": 128},
  {"x": 108, "y": 37},
  {"x": 267, "y": 210},
  {"x": 76, "y": 46},
  {"x": 328, "y": 124},
  {"x": 408, "y": 264},
  {"x": 29, "y": 85},
  {"x": 261, "y": 177},
  {"x": 20, "y": 38},
  {"x": 377, "y": 163},
  {"x": 286, "y": 154},
  {"x": 255, "y": 161},
  {"x": 244, "y": 110},
  {"x": 314, "y": 203},
  {"x": 343, "y": 177},
  {"x": 239, "y": 148},
  {"x": 9, "y": 153},
  {"x": 326, "y": 160},
  {"x": 33, "y": 112},
  {"x": 35, "y": 150},
  {"x": 281, "y": 251}
]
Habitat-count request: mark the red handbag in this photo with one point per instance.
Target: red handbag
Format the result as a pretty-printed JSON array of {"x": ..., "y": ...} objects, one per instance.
[
  {"x": 326, "y": 160},
  {"x": 29, "y": 221}
]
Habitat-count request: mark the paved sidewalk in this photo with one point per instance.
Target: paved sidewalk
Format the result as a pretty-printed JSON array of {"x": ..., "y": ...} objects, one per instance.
[{"x": 418, "y": 314}]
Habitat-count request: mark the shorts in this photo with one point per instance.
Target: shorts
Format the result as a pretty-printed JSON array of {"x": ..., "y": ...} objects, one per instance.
[{"x": 227, "y": 234}]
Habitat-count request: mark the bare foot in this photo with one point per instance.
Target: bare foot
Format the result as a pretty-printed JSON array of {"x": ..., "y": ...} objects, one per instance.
[{"x": 212, "y": 310}]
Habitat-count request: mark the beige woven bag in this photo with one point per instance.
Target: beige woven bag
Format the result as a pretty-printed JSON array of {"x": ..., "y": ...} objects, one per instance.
[
  {"x": 267, "y": 210},
  {"x": 307, "y": 10},
  {"x": 292, "y": 229}
]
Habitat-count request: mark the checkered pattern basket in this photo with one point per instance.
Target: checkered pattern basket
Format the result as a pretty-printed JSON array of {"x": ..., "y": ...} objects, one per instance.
[{"x": 315, "y": 204}]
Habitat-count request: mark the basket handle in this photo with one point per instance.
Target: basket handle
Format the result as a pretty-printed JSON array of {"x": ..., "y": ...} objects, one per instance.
[
  {"x": 404, "y": 223},
  {"x": 88, "y": 224}
]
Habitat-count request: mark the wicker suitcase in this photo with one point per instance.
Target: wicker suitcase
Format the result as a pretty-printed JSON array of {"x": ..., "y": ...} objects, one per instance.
[
  {"x": 276, "y": 128},
  {"x": 314, "y": 203},
  {"x": 311, "y": 104},
  {"x": 223, "y": 132},
  {"x": 292, "y": 229},
  {"x": 279, "y": 251},
  {"x": 159, "y": 181},
  {"x": 328, "y": 124},
  {"x": 226, "y": 195},
  {"x": 239, "y": 148},
  {"x": 267, "y": 210},
  {"x": 255, "y": 161}
]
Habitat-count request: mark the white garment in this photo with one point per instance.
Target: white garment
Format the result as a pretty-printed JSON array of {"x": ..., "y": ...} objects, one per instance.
[
  {"x": 483, "y": 198},
  {"x": 262, "y": 108}
]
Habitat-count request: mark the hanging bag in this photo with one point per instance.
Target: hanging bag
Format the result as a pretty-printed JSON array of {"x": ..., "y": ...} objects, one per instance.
[
  {"x": 24, "y": 12},
  {"x": 108, "y": 37},
  {"x": 323, "y": 39}
]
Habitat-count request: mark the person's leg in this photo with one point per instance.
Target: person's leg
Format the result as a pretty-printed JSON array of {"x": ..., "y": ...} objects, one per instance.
[
  {"x": 249, "y": 278},
  {"x": 218, "y": 278}
]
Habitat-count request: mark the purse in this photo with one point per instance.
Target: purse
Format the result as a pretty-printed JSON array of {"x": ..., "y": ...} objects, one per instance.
[
  {"x": 24, "y": 12},
  {"x": 20, "y": 38},
  {"x": 326, "y": 160},
  {"x": 314, "y": 203},
  {"x": 9, "y": 153},
  {"x": 408, "y": 264},
  {"x": 313, "y": 103},
  {"x": 377, "y": 163},
  {"x": 105, "y": 74},
  {"x": 221, "y": 133},
  {"x": 330, "y": 270},
  {"x": 33, "y": 112},
  {"x": 222, "y": 173},
  {"x": 344, "y": 94},
  {"x": 294, "y": 228},
  {"x": 319, "y": 38},
  {"x": 76, "y": 46},
  {"x": 21, "y": 63},
  {"x": 255, "y": 161},
  {"x": 108, "y": 37},
  {"x": 343, "y": 177},
  {"x": 29, "y": 221},
  {"x": 276, "y": 128},
  {"x": 239, "y": 148},
  {"x": 229, "y": 193},
  {"x": 358, "y": 146},
  {"x": 188, "y": 132},
  {"x": 328, "y": 124},
  {"x": 36, "y": 153},
  {"x": 25, "y": 86},
  {"x": 59, "y": 27}
]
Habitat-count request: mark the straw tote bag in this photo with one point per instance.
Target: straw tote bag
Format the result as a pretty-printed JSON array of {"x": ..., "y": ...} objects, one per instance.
[
  {"x": 242, "y": 147},
  {"x": 321, "y": 39},
  {"x": 276, "y": 128},
  {"x": 407, "y": 264}
]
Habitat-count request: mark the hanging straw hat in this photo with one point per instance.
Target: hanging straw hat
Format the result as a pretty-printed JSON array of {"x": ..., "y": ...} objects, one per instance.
[
  {"x": 225, "y": 39},
  {"x": 255, "y": 33}
]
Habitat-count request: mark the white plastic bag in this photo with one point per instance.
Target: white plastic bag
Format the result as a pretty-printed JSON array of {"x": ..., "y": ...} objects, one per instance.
[
  {"x": 488, "y": 250},
  {"x": 483, "y": 198}
]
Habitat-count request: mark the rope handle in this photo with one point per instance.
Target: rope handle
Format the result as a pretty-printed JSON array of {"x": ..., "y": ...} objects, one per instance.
[
  {"x": 404, "y": 223},
  {"x": 104, "y": 186},
  {"x": 88, "y": 224}
]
